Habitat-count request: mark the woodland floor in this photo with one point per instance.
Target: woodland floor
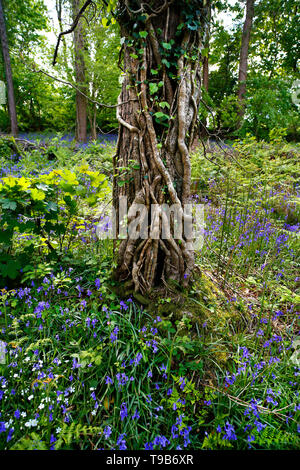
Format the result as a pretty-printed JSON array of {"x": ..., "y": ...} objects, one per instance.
[{"x": 212, "y": 367}]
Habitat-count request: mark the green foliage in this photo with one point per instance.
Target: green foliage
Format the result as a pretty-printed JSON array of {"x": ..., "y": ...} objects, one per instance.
[
  {"x": 194, "y": 378},
  {"x": 228, "y": 113},
  {"x": 218, "y": 369},
  {"x": 43, "y": 213},
  {"x": 31, "y": 442},
  {"x": 272, "y": 69},
  {"x": 269, "y": 106}
]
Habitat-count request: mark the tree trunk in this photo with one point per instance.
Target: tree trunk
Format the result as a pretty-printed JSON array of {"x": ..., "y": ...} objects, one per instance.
[
  {"x": 206, "y": 45},
  {"x": 59, "y": 4},
  {"x": 205, "y": 73},
  {"x": 243, "y": 67},
  {"x": 80, "y": 75},
  {"x": 157, "y": 114},
  {"x": 8, "y": 73},
  {"x": 92, "y": 114}
]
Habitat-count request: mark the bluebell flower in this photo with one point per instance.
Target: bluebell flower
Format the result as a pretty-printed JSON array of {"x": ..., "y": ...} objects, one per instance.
[
  {"x": 229, "y": 432},
  {"x": 107, "y": 431},
  {"x": 136, "y": 415},
  {"x": 123, "y": 411},
  {"x": 121, "y": 442}
]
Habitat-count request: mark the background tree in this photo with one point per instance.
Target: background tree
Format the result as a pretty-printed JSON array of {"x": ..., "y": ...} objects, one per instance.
[
  {"x": 272, "y": 68},
  {"x": 80, "y": 75},
  {"x": 243, "y": 65},
  {"x": 8, "y": 74},
  {"x": 102, "y": 75},
  {"x": 25, "y": 22}
]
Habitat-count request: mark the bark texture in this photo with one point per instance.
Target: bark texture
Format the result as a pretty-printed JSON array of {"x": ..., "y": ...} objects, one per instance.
[
  {"x": 243, "y": 66},
  {"x": 8, "y": 73},
  {"x": 162, "y": 64},
  {"x": 80, "y": 74}
]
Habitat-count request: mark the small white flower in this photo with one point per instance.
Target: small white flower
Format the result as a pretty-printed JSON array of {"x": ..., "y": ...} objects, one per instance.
[
  {"x": 30, "y": 397},
  {"x": 31, "y": 423}
]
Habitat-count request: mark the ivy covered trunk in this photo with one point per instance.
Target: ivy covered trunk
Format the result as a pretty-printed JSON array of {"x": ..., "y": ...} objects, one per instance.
[{"x": 157, "y": 113}]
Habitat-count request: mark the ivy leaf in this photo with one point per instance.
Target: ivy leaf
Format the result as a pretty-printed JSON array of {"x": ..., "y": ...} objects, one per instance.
[
  {"x": 164, "y": 104},
  {"x": 153, "y": 88},
  {"x": 161, "y": 115},
  {"x": 143, "y": 34}
]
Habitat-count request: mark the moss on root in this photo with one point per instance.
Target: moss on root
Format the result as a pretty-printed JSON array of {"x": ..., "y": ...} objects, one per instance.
[{"x": 202, "y": 302}]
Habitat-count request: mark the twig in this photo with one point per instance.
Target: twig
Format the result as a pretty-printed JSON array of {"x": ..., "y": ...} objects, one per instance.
[
  {"x": 81, "y": 92},
  {"x": 263, "y": 409},
  {"x": 69, "y": 31}
]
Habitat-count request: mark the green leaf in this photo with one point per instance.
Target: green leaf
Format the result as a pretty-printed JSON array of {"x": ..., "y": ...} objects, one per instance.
[
  {"x": 143, "y": 34},
  {"x": 164, "y": 104},
  {"x": 8, "y": 204},
  {"x": 153, "y": 88},
  {"x": 161, "y": 115},
  {"x": 51, "y": 206}
]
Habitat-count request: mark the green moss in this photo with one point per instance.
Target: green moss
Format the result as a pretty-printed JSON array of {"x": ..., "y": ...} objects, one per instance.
[{"x": 204, "y": 302}]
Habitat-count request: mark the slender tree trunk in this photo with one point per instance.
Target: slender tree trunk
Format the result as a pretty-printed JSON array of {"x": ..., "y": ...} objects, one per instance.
[
  {"x": 80, "y": 74},
  {"x": 205, "y": 73},
  {"x": 243, "y": 67},
  {"x": 8, "y": 73},
  {"x": 157, "y": 113},
  {"x": 59, "y": 10},
  {"x": 206, "y": 45},
  {"x": 92, "y": 115}
]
